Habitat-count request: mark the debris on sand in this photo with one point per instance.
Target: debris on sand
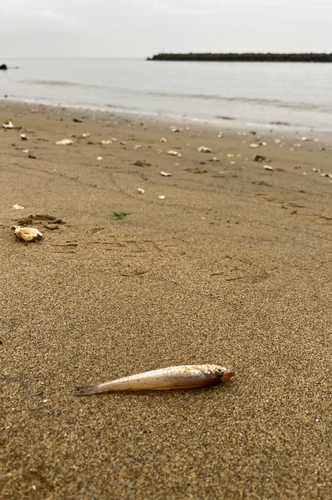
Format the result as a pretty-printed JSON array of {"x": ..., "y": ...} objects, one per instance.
[
  {"x": 141, "y": 191},
  {"x": 77, "y": 120},
  {"x": 267, "y": 167},
  {"x": 163, "y": 139},
  {"x": 7, "y": 125},
  {"x": 26, "y": 233},
  {"x": 32, "y": 156},
  {"x": 259, "y": 158},
  {"x": 172, "y": 153},
  {"x": 17, "y": 207},
  {"x": 24, "y": 137},
  {"x": 106, "y": 142},
  {"x": 165, "y": 174},
  {"x": 161, "y": 197},
  {"x": 64, "y": 142},
  {"x": 203, "y": 149}
]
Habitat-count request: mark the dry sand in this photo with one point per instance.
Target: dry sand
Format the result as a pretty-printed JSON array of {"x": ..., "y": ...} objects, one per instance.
[{"x": 232, "y": 267}]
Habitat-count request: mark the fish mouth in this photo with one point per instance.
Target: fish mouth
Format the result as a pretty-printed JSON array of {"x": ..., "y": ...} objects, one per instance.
[{"x": 227, "y": 374}]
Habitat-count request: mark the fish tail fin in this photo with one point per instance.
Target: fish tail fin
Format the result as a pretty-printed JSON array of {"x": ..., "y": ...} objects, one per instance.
[{"x": 86, "y": 390}]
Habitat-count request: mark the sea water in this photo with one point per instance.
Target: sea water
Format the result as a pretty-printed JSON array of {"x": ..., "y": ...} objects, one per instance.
[{"x": 296, "y": 95}]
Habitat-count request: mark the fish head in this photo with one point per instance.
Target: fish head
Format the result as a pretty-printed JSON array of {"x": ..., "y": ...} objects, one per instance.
[{"x": 223, "y": 374}]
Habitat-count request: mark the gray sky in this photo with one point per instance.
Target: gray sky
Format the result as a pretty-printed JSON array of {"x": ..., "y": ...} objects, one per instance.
[{"x": 140, "y": 28}]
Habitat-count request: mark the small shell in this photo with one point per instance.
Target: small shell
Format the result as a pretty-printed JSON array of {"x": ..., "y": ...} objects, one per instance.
[
  {"x": 267, "y": 167},
  {"x": 64, "y": 142},
  {"x": 172, "y": 153},
  {"x": 99, "y": 158},
  {"x": 17, "y": 207},
  {"x": 165, "y": 174},
  {"x": 163, "y": 139},
  {"x": 141, "y": 191},
  {"x": 26, "y": 233},
  {"x": 24, "y": 137},
  {"x": 203, "y": 149},
  {"x": 161, "y": 197},
  {"x": 106, "y": 142},
  {"x": 254, "y": 145},
  {"x": 7, "y": 125}
]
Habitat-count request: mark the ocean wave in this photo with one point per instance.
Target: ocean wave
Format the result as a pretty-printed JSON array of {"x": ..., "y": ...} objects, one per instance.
[{"x": 58, "y": 83}]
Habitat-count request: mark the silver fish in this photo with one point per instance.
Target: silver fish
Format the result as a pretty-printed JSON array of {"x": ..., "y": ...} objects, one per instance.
[{"x": 174, "y": 377}]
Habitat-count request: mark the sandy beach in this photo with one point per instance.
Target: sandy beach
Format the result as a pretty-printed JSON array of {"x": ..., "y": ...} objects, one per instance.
[{"x": 232, "y": 267}]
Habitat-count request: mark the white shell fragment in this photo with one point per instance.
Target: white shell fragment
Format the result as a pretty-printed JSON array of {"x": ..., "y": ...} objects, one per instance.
[
  {"x": 267, "y": 167},
  {"x": 26, "y": 233},
  {"x": 86, "y": 135},
  {"x": 24, "y": 137},
  {"x": 64, "y": 142},
  {"x": 99, "y": 158},
  {"x": 161, "y": 197},
  {"x": 7, "y": 125},
  {"x": 254, "y": 145},
  {"x": 203, "y": 149},
  {"x": 172, "y": 153},
  {"x": 307, "y": 139},
  {"x": 17, "y": 207},
  {"x": 165, "y": 174},
  {"x": 106, "y": 142},
  {"x": 163, "y": 139},
  {"x": 141, "y": 191}
]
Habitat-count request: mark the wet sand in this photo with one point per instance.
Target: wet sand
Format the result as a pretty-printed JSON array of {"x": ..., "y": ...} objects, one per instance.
[{"x": 233, "y": 267}]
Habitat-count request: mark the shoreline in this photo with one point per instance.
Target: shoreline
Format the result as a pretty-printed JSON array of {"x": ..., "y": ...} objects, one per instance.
[
  {"x": 224, "y": 124},
  {"x": 224, "y": 261}
]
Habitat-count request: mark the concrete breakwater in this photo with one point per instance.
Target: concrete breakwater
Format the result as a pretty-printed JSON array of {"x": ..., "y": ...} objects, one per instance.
[{"x": 246, "y": 57}]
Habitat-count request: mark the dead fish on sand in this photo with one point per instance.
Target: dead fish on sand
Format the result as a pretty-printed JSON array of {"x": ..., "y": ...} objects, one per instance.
[{"x": 175, "y": 377}]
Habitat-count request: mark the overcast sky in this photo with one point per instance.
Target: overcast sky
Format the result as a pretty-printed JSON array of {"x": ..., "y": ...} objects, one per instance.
[{"x": 141, "y": 28}]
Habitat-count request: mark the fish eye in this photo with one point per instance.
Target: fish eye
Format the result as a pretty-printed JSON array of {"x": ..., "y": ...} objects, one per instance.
[{"x": 220, "y": 373}]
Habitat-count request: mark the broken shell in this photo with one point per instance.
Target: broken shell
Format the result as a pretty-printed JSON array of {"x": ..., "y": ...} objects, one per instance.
[
  {"x": 254, "y": 145},
  {"x": 259, "y": 158},
  {"x": 175, "y": 129},
  {"x": 165, "y": 174},
  {"x": 106, "y": 142},
  {"x": 203, "y": 149},
  {"x": 163, "y": 139},
  {"x": 173, "y": 153},
  {"x": 26, "y": 233},
  {"x": 24, "y": 137},
  {"x": 99, "y": 158},
  {"x": 64, "y": 142},
  {"x": 25, "y": 151},
  {"x": 161, "y": 197},
  {"x": 214, "y": 159},
  {"x": 7, "y": 125},
  {"x": 123, "y": 143},
  {"x": 141, "y": 191},
  {"x": 86, "y": 135},
  {"x": 17, "y": 207},
  {"x": 267, "y": 167}
]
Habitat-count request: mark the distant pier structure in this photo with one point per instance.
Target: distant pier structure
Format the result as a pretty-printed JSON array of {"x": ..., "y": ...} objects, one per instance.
[{"x": 245, "y": 57}]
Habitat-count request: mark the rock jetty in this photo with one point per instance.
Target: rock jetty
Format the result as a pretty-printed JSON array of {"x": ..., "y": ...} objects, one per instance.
[{"x": 247, "y": 57}]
